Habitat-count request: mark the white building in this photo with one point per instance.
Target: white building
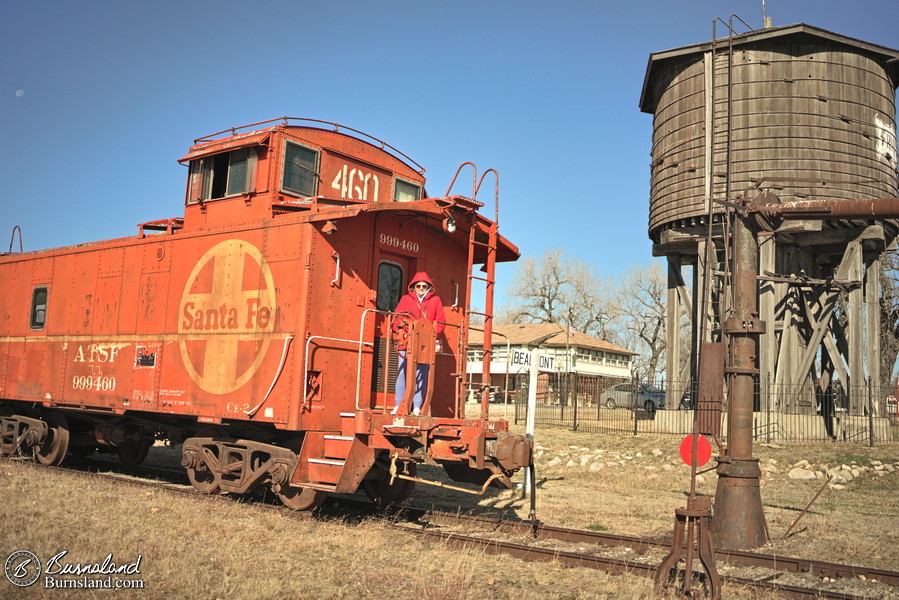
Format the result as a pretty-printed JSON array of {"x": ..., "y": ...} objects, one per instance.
[{"x": 572, "y": 351}]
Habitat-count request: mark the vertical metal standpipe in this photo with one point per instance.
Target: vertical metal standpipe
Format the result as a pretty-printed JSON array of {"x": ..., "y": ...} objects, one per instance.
[
  {"x": 870, "y": 413},
  {"x": 739, "y": 521}
]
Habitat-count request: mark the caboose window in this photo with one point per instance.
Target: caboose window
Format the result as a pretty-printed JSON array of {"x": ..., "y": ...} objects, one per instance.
[
  {"x": 221, "y": 175},
  {"x": 300, "y": 170},
  {"x": 237, "y": 172},
  {"x": 38, "y": 308},
  {"x": 403, "y": 191},
  {"x": 390, "y": 285}
]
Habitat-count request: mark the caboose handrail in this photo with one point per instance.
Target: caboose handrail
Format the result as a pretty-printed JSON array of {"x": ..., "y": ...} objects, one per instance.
[
  {"x": 496, "y": 193},
  {"x": 361, "y": 335},
  {"x": 13, "y": 237},
  {"x": 361, "y": 341},
  {"x": 390, "y": 316},
  {"x": 306, "y": 360},
  {"x": 337, "y": 127},
  {"x": 278, "y": 372},
  {"x": 474, "y": 180},
  {"x": 472, "y": 384}
]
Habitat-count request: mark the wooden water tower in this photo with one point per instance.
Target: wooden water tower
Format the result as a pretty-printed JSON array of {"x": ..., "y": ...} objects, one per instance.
[{"x": 808, "y": 115}]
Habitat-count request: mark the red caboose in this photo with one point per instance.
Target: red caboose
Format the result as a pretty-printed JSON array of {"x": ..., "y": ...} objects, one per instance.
[{"x": 257, "y": 328}]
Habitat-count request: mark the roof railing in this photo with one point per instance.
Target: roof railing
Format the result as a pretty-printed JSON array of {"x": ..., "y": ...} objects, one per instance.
[{"x": 336, "y": 127}]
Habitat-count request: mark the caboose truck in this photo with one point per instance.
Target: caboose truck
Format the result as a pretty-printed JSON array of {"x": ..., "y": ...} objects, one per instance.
[{"x": 257, "y": 329}]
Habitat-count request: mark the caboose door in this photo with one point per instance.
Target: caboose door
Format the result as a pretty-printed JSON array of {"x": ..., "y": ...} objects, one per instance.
[{"x": 392, "y": 272}]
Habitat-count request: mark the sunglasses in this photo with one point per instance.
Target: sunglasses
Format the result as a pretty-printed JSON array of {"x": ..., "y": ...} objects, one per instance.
[{"x": 422, "y": 286}]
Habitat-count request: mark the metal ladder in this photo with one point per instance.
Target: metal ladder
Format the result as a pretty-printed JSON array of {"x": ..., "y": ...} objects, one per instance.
[{"x": 485, "y": 235}]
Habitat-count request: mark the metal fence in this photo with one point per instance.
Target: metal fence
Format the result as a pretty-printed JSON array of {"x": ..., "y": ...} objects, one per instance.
[{"x": 782, "y": 413}]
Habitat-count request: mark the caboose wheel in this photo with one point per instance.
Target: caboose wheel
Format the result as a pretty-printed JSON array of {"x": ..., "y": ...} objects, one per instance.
[
  {"x": 203, "y": 481},
  {"x": 299, "y": 498},
  {"x": 134, "y": 452},
  {"x": 382, "y": 492},
  {"x": 200, "y": 476},
  {"x": 53, "y": 450}
]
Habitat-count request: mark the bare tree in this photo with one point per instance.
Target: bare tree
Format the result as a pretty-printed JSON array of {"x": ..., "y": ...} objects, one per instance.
[
  {"x": 889, "y": 316},
  {"x": 631, "y": 312},
  {"x": 641, "y": 313},
  {"x": 559, "y": 289}
]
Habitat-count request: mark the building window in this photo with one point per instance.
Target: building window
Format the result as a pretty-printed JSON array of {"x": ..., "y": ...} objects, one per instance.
[
  {"x": 475, "y": 355},
  {"x": 300, "y": 170},
  {"x": 390, "y": 286},
  {"x": 404, "y": 191},
  {"x": 39, "y": 308},
  {"x": 221, "y": 175}
]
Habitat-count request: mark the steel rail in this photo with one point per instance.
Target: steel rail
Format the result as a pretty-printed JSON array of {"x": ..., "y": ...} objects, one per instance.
[
  {"x": 642, "y": 545},
  {"x": 616, "y": 566}
]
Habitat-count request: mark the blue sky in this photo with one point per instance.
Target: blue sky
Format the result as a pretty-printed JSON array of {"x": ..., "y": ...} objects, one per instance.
[{"x": 546, "y": 93}]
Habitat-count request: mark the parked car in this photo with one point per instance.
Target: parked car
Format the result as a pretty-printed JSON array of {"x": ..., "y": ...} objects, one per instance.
[
  {"x": 497, "y": 394},
  {"x": 635, "y": 395}
]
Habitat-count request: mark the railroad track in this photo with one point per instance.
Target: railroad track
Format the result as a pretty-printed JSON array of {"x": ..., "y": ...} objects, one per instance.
[
  {"x": 617, "y": 554},
  {"x": 644, "y": 545},
  {"x": 794, "y": 577}
]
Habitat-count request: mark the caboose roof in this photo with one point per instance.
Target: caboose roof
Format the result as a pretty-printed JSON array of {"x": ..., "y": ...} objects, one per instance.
[
  {"x": 543, "y": 334},
  {"x": 253, "y": 138},
  {"x": 798, "y": 32},
  {"x": 436, "y": 209},
  {"x": 249, "y": 135}
]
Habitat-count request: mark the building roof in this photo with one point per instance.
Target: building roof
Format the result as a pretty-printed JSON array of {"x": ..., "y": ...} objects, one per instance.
[
  {"x": 789, "y": 33},
  {"x": 543, "y": 334}
]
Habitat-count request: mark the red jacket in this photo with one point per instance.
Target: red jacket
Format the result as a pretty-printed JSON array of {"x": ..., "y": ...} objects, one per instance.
[{"x": 430, "y": 308}]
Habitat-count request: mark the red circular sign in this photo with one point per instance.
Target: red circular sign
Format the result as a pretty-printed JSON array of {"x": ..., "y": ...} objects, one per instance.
[{"x": 703, "y": 450}]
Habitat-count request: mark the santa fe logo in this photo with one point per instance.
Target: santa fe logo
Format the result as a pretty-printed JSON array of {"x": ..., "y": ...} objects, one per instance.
[{"x": 227, "y": 315}]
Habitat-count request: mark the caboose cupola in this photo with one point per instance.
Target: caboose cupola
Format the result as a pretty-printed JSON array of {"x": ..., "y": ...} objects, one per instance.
[{"x": 255, "y": 175}]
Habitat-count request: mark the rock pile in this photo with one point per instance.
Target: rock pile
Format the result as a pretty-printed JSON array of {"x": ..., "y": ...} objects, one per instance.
[
  {"x": 655, "y": 461},
  {"x": 597, "y": 459},
  {"x": 840, "y": 474}
]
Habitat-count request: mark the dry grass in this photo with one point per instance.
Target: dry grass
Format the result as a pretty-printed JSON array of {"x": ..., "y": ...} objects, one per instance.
[
  {"x": 195, "y": 548},
  {"x": 643, "y": 480}
]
